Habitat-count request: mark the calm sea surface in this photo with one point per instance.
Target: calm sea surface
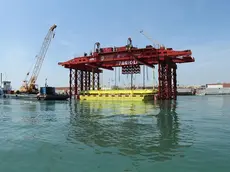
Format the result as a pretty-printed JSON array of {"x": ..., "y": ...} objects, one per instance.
[{"x": 192, "y": 134}]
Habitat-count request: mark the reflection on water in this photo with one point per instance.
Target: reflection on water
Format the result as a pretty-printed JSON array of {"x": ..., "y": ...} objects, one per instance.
[
  {"x": 38, "y": 112},
  {"x": 136, "y": 129},
  {"x": 47, "y": 111},
  {"x": 47, "y": 106},
  {"x": 5, "y": 110},
  {"x": 115, "y": 136}
]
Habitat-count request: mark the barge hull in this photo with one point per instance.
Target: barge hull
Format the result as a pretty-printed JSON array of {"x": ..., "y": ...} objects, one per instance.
[
  {"x": 52, "y": 97},
  {"x": 22, "y": 96},
  {"x": 120, "y": 95}
]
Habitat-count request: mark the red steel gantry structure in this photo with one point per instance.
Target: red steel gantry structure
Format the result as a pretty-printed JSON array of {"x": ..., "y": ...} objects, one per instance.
[{"x": 85, "y": 70}]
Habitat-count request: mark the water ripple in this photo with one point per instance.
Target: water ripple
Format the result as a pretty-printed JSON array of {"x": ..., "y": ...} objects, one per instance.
[{"x": 115, "y": 136}]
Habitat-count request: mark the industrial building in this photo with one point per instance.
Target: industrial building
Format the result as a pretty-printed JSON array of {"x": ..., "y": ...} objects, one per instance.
[
  {"x": 5, "y": 86},
  {"x": 216, "y": 89},
  {"x": 218, "y": 85},
  {"x": 62, "y": 89}
]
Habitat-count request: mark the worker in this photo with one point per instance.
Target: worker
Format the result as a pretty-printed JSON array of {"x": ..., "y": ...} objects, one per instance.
[
  {"x": 97, "y": 48},
  {"x": 129, "y": 44}
]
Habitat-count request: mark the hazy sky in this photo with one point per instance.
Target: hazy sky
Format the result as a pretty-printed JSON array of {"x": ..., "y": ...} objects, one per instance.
[{"x": 200, "y": 25}]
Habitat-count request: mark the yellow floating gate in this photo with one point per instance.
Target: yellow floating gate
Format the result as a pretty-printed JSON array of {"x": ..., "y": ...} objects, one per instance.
[{"x": 133, "y": 95}]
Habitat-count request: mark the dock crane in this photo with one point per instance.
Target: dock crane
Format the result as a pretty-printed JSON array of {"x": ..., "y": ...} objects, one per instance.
[
  {"x": 31, "y": 87},
  {"x": 156, "y": 44}
]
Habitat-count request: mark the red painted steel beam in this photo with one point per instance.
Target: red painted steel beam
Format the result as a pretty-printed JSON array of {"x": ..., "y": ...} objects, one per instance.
[
  {"x": 110, "y": 58},
  {"x": 148, "y": 62},
  {"x": 128, "y": 59},
  {"x": 99, "y": 66},
  {"x": 83, "y": 68},
  {"x": 140, "y": 61},
  {"x": 138, "y": 53}
]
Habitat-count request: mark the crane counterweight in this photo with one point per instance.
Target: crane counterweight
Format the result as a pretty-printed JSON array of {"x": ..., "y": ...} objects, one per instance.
[{"x": 31, "y": 87}]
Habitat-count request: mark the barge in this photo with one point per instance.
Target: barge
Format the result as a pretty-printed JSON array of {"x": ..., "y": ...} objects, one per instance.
[
  {"x": 49, "y": 93},
  {"x": 46, "y": 93},
  {"x": 22, "y": 96},
  {"x": 130, "y": 95}
]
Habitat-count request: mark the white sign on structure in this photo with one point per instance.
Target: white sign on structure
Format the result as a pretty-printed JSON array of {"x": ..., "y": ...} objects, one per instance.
[{"x": 123, "y": 63}]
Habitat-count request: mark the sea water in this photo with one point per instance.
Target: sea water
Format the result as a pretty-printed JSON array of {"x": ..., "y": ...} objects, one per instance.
[{"x": 190, "y": 134}]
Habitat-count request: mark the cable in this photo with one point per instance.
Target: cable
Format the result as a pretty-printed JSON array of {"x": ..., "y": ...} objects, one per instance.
[
  {"x": 119, "y": 74},
  {"x": 115, "y": 77},
  {"x": 143, "y": 76}
]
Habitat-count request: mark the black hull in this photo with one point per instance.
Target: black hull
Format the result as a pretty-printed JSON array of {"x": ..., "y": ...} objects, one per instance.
[{"x": 52, "y": 97}]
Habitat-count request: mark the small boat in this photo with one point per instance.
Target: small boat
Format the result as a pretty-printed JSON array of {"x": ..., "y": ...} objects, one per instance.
[{"x": 49, "y": 93}]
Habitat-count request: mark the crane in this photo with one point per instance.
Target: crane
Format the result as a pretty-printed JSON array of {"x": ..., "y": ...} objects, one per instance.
[
  {"x": 30, "y": 87},
  {"x": 156, "y": 45}
]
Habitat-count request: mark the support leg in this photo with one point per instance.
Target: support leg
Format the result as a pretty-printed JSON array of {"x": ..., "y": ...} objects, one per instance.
[
  {"x": 162, "y": 80},
  {"x": 89, "y": 81},
  {"x": 174, "y": 82},
  {"x": 143, "y": 77},
  {"x": 70, "y": 83},
  {"x": 86, "y": 80},
  {"x": 165, "y": 83},
  {"x": 76, "y": 84},
  {"x": 79, "y": 82},
  {"x": 98, "y": 81},
  {"x": 93, "y": 81},
  {"x": 82, "y": 83},
  {"x": 159, "y": 80},
  {"x": 73, "y": 86},
  {"x": 167, "y": 80}
]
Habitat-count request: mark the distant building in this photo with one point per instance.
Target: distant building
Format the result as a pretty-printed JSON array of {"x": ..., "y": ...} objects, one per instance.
[
  {"x": 6, "y": 86},
  {"x": 218, "y": 85},
  {"x": 62, "y": 89}
]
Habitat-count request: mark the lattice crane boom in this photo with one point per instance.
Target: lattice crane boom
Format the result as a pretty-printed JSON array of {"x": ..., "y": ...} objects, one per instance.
[
  {"x": 155, "y": 43},
  {"x": 40, "y": 58}
]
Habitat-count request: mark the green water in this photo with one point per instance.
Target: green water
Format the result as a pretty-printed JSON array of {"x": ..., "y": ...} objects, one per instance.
[{"x": 192, "y": 134}]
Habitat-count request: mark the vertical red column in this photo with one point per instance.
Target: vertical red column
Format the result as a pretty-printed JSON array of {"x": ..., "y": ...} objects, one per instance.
[
  {"x": 93, "y": 81},
  {"x": 174, "y": 82},
  {"x": 79, "y": 83},
  {"x": 162, "y": 80},
  {"x": 70, "y": 83},
  {"x": 169, "y": 80},
  {"x": 98, "y": 81},
  {"x": 76, "y": 84},
  {"x": 82, "y": 83},
  {"x": 159, "y": 81},
  {"x": 86, "y": 80},
  {"x": 89, "y": 81},
  {"x": 166, "y": 80}
]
